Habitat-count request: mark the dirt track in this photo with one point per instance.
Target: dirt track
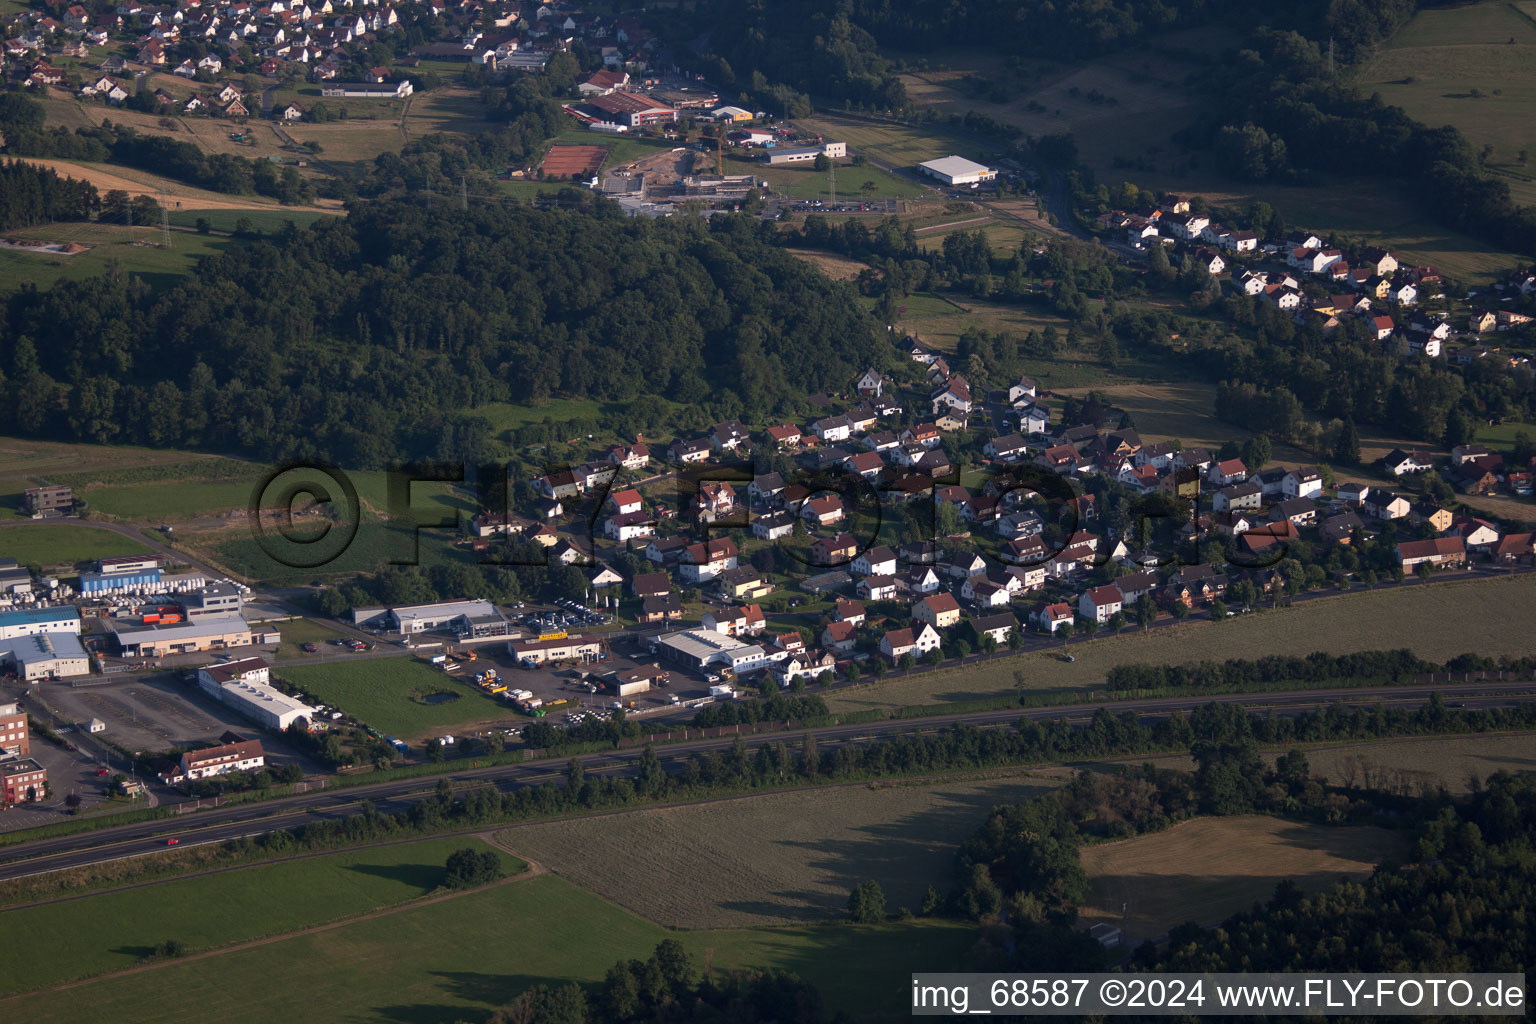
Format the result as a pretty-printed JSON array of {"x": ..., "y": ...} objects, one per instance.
[{"x": 179, "y": 196}]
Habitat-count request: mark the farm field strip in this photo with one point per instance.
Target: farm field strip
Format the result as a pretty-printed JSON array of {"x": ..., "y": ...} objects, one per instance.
[
  {"x": 1206, "y": 869},
  {"x": 1436, "y": 622},
  {"x": 774, "y": 858}
]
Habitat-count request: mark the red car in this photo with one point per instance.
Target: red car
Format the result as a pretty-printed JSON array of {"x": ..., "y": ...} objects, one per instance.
[
  {"x": 172, "y": 842},
  {"x": 308, "y": 648},
  {"x": 102, "y": 771}
]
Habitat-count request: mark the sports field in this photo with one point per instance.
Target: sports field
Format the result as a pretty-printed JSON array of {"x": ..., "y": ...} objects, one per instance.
[
  {"x": 460, "y": 958},
  {"x": 383, "y": 693},
  {"x": 562, "y": 161},
  {"x": 114, "y": 930},
  {"x": 1436, "y": 622},
  {"x": 62, "y": 543},
  {"x": 1206, "y": 869},
  {"x": 775, "y": 858}
]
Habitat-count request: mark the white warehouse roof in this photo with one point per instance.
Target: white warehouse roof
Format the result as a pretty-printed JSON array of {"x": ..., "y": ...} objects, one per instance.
[{"x": 955, "y": 167}]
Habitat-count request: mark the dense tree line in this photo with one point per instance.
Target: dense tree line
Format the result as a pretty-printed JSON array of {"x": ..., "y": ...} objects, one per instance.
[
  {"x": 1399, "y": 666},
  {"x": 359, "y": 338},
  {"x": 38, "y": 195},
  {"x": 666, "y": 988}
]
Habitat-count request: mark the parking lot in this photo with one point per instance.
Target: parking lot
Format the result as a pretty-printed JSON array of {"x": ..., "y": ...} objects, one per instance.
[{"x": 157, "y": 712}]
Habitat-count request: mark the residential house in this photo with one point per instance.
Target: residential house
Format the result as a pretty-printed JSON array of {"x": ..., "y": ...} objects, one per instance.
[
  {"x": 823, "y": 511},
  {"x": 773, "y": 526},
  {"x": 1438, "y": 552},
  {"x": 938, "y": 610},
  {"x": 917, "y": 641},
  {"x": 703, "y": 562},
  {"x": 1303, "y": 482},
  {"x": 1227, "y": 473},
  {"x": 1048, "y": 618},
  {"x": 878, "y": 588},
  {"x": 1099, "y": 603},
  {"x": 785, "y": 435},
  {"x": 1383, "y": 504},
  {"x": 876, "y": 561},
  {"x": 1301, "y": 511},
  {"x": 999, "y": 627},
  {"x": 1340, "y": 529},
  {"x": 1238, "y": 496},
  {"x": 838, "y": 550},
  {"x": 688, "y": 451},
  {"x": 839, "y": 636},
  {"x": 1399, "y": 462}
]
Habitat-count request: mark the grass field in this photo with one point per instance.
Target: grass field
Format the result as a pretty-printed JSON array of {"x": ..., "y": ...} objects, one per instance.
[
  {"x": 265, "y": 221},
  {"x": 896, "y": 144},
  {"x": 1209, "y": 868},
  {"x": 1436, "y": 622},
  {"x": 111, "y": 931},
  {"x": 135, "y": 249},
  {"x": 61, "y": 543},
  {"x": 1413, "y": 764},
  {"x": 379, "y": 692},
  {"x": 768, "y": 859},
  {"x": 1433, "y": 65},
  {"x": 458, "y": 959},
  {"x": 301, "y": 631},
  {"x": 25, "y": 462}
]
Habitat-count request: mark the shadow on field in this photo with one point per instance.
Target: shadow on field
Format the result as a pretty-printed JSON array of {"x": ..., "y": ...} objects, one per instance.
[
  {"x": 420, "y": 876},
  {"x": 137, "y": 952}
]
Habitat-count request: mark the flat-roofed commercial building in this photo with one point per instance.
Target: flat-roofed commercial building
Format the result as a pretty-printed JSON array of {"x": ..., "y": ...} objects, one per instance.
[
  {"x": 21, "y": 781},
  {"x": 246, "y": 686},
  {"x": 569, "y": 648},
  {"x": 699, "y": 649},
  {"x": 48, "y": 498},
  {"x": 31, "y": 621},
  {"x": 207, "y": 633},
  {"x": 45, "y": 656},
  {"x": 957, "y": 170}
]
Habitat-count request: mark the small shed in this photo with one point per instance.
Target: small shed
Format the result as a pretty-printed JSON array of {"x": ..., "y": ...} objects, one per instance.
[{"x": 95, "y": 725}]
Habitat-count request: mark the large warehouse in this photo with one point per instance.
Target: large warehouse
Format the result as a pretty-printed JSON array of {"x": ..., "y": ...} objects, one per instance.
[
  {"x": 208, "y": 633},
  {"x": 557, "y": 648},
  {"x": 700, "y": 649},
  {"x": 475, "y": 619},
  {"x": 45, "y": 656},
  {"x": 957, "y": 170},
  {"x": 246, "y": 687},
  {"x": 31, "y": 621}
]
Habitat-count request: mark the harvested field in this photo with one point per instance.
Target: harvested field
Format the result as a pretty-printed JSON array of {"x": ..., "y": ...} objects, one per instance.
[
  {"x": 782, "y": 857},
  {"x": 565, "y": 161},
  {"x": 1436, "y": 622},
  {"x": 107, "y": 177},
  {"x": 1208, "y": 869},
  {"x": 838, "y": 268}
]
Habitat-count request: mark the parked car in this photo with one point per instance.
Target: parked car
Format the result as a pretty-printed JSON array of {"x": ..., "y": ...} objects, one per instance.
[{"x": 308, "y": 648}]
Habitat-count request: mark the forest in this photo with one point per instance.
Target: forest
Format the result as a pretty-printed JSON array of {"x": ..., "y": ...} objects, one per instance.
[
  {"x": 370, "y": 339},
  {"x": 38, "y": 195}
]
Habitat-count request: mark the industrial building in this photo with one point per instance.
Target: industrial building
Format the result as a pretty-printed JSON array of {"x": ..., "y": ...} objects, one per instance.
[
  {"x": 48, "y": 498},
  {"x": 475, "y": 619},
  {"x": 805, "y": 155},
  {"x": 119, "y": 575},
  {"x": 45, "y": 656},
  {"x": 14, "y": 578},
  {"x": 957, "y": 170},
  {"x": 631, "y": 109},
  {"x": 565, "y": 648},
  {"x": 31, "y": 621},
  {"x": 214, "y": 599},
  {"x": 699, "y": 649},
  {"x": 369, "y": 90},
  {"x": 15, "y": 740},
  {"x": 208, "y": 633},
  {"x": 246, "y": 687},
  {"x": 628, "y": 682},
  {"x": 245, "y": 756},
  {"x": 24, "y": 781}
]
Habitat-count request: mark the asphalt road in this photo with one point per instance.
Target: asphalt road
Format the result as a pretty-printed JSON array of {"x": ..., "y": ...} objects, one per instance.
[{"x": 242, "y": 820}]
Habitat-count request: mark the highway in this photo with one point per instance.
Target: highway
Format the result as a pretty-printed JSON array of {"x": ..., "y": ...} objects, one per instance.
[{"x": 243, "y": 820}]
